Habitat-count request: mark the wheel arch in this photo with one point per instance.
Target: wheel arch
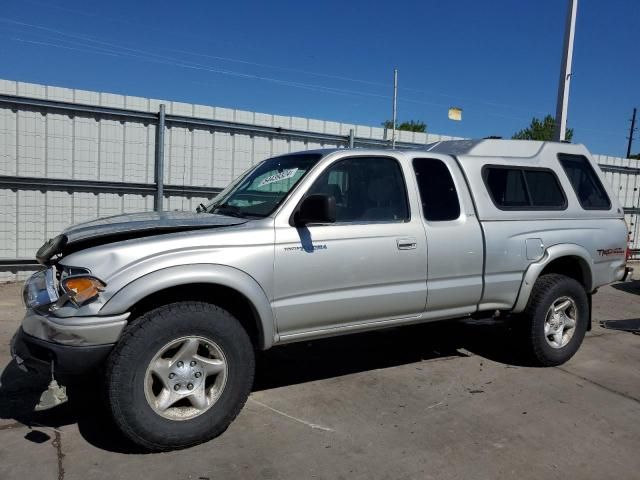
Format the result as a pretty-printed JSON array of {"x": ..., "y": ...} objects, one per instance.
[
  {"x": 227, "y": 287},
  {"x": 567, "y": 259}
]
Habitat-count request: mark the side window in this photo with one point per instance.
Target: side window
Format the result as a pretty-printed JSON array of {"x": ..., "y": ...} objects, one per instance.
[
  {"x": 585, "y": 182},
  {"x": 437, "y": 191},
  {"x": 506, "y": 187},
  {"x": 524, "y": 188},
  {"x": 544, "y": 189},
  {"x": 366, "y": 189}
]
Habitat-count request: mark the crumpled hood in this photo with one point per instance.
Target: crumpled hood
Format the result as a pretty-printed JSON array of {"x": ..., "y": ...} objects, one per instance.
[
  {"x": 145, "y": 221},
  {"x": 131, "y": 225}
]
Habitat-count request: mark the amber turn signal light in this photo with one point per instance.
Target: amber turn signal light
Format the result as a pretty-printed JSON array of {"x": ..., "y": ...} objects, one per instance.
[{"x": 82, "y": 289}]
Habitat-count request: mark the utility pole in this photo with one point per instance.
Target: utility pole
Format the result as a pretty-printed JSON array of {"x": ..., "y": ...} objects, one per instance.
[
  {"x": 395, "y": 108},
  {"x": 159, "y": 164},
  {"x": 565, "y": 73},
  {"x": 631, "y": 132}
]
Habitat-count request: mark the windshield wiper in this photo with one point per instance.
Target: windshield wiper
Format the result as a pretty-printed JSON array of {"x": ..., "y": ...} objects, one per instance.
[{"x": 228, "y": 210}]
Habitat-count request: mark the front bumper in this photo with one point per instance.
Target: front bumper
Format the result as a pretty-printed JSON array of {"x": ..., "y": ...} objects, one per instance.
[
  {"x": 77, "y": 331},
  {"x": 76, "y": 345},
  {"x": 35, "y": 354}
]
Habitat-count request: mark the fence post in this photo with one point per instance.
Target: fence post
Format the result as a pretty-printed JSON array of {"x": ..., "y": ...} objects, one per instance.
[{"x": 159, "y": 164}]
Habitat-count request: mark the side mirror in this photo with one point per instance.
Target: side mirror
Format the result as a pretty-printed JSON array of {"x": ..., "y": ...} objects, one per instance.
[{"x": 317, "y": 208}]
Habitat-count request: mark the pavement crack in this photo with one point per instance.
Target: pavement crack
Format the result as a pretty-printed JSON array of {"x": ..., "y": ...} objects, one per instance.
[
  {"x": 315, "y": 426},
  {"x": 57, "y": 444},
  {"x": 604, "y": 387}
]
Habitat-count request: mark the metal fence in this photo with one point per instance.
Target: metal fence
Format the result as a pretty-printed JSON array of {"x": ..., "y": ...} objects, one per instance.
[
  {"x": 71, "y": 155},
  {"x": 623, "y": 175}
]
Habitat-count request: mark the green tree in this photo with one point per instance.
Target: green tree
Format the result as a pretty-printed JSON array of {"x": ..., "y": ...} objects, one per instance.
[
  {"x": 541, "y": 130},
  {"x": 411, "y": 125},
  {"x": 635, "y": 157}
]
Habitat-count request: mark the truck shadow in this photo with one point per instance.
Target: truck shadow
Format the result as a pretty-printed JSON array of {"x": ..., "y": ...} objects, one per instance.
[
  {"x": 278, "y": 367},
  {"x": 334, "y": 357},
  {"x": 628, "y": 287}
]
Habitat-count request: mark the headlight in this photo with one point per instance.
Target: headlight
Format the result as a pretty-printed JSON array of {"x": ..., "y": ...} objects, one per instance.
[
  {"x": 40, "y": 289},
  {"x": 82, "y": 288}
]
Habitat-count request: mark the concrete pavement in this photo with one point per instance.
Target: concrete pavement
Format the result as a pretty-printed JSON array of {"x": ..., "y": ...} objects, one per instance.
[{"x": 433, "y": 401}]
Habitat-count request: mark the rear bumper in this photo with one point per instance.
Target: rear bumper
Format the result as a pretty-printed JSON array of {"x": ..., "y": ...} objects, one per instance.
[{"x": 36, "y": 355}]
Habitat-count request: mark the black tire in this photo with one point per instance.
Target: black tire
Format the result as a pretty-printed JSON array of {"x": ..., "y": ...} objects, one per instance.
[
  {"x": 547, "y": 289},
  {"x": 127, "y": 365}
]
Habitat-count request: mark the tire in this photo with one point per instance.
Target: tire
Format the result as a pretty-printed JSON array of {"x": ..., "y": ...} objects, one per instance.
[
  {"x": 546, "y": 349},
  {"x": 136, "y": 392}
]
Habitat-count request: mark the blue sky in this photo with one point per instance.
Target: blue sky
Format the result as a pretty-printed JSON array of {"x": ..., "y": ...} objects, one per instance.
[{"x": 497, "y": 59}]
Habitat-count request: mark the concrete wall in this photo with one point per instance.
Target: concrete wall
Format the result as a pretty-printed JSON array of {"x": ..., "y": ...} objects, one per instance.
[{"x": 37, "y": 143}]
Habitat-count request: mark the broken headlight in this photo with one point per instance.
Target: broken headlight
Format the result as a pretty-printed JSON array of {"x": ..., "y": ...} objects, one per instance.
[{"x": 40, "y": 289}]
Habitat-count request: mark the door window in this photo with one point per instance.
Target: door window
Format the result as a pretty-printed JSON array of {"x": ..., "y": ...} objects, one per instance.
[{"x": 366, "y": 189}]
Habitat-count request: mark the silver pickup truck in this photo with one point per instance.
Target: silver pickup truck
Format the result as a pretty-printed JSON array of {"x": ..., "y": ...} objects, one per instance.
[{"x": 173, "y": 306}]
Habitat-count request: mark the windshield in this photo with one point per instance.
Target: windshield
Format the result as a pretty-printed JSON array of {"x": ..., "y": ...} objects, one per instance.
[{"x": 258, "y": 192}]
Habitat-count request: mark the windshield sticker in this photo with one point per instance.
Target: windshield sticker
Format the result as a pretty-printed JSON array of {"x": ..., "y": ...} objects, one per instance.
[{"x": 277, "y": 177}]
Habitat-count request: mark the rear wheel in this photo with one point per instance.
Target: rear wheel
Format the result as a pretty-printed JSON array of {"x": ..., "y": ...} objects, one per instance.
[
  {"x": 179, "y": 375},
  {"x": 555, "y": 320}
]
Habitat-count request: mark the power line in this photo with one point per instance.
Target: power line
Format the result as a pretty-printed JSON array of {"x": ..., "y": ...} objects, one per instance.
[
  {"x": 157, "y": 58},
  {"x": 116, "y": 50},
  {"x": 306, "y": 72},
  {"x": 277, "y": 67},
  {"x": 264, "y": 65},
  {"x": 310, "y": 87}
]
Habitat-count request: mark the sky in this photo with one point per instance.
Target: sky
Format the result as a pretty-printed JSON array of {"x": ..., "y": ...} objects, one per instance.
[{"x": 498, "y": 60}]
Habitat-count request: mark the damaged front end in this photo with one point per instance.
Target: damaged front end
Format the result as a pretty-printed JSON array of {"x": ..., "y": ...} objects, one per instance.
[{"x": 64, "y": 331}]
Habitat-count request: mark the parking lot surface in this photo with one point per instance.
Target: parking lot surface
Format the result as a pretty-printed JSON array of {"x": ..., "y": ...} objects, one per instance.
[{"x": 447, "y": 400}]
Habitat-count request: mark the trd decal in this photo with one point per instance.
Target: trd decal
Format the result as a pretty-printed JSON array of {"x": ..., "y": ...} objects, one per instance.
[{"x": 605, "y": 252}]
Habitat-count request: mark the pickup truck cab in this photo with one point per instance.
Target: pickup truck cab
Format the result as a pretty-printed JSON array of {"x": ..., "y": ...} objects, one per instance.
[{"x": 174, "y": 305}]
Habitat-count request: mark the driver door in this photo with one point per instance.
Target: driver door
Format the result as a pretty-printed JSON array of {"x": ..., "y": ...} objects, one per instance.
[{"x": 369, "y": 266}]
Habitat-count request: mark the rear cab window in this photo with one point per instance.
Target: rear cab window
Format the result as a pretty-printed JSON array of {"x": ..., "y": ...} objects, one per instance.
[
  {"x": 523, "y": 188},
  {"x": 438, "y": 193},
  {"x": 585, "y": 182}
]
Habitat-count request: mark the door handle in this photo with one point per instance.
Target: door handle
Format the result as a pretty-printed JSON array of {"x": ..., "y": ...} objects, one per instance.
[{"x": 408, "y": 243}]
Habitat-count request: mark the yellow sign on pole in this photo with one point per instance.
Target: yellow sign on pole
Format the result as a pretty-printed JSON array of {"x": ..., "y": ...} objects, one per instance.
[{"x": 455, "y": 113}]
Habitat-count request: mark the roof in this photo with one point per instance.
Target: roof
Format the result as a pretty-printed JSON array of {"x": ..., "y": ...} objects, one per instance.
[
  {"x": 497, "y": 148},
  {"x": 470, "y": 148}
]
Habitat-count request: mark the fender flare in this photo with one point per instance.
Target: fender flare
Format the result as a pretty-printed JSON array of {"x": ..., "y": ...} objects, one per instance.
[
  {"x": 553, "y": 253},
  {"x": 214, "y": 274}
]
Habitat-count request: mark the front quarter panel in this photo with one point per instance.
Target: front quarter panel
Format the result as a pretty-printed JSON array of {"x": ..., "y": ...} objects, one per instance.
[
  {"x": 222, "y": 256},
  {"x": 198, "y": 273}
]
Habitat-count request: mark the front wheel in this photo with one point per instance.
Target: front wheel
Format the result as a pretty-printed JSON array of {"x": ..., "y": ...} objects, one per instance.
[
  {"x": 555, "y": 320},
  {"x": 179, "y": 375}
]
